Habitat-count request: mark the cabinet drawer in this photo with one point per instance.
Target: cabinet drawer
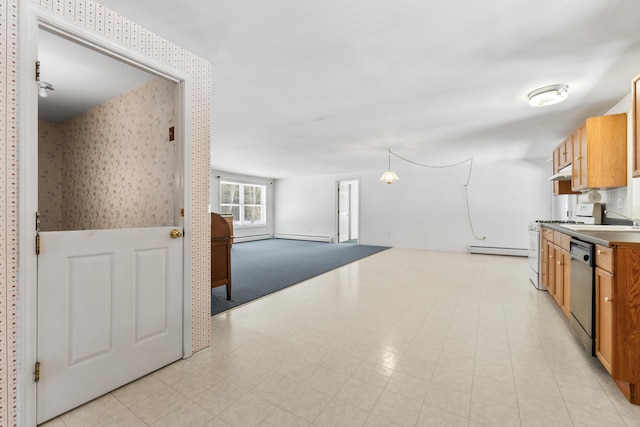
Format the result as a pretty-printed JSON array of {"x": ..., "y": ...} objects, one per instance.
[
  {"x": 566, "y": 242},
  {"x": 604, "y": 258},
  {"x": 557, "y": 238},
  {"x": 547, "y": 233}
]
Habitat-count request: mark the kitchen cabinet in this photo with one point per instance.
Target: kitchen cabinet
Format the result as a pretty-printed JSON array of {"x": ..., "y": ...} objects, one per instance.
[
  {"x": 546, "y": 256},
  {"x": 557, "y": 272},
  {"x": 564, "y": 152},
  {"x": 617, "y": 311},
  {"x": 604, "y": 283},
  {"x": 600, "y": 153},
  {"x": 635, "y": 124},
  {"x": 562, "y": 157}
]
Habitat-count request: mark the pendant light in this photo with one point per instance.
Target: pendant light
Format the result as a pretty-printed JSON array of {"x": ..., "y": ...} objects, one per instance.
[{"x": 389, "y": 176}]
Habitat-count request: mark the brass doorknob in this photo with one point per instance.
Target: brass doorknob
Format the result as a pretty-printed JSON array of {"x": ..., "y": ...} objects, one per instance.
[
  {"x": 176, "y": 234},
  {"x": 607, "y": 299}
]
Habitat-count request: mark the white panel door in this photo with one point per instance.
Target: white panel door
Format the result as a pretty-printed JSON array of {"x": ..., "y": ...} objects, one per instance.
[
  {"x": 109, "y": 311},
  {"x": 344, "y": 212}
]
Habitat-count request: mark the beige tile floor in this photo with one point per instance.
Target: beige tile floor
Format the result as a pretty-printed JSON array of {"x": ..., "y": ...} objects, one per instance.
[{"x": 401, "y": 338}]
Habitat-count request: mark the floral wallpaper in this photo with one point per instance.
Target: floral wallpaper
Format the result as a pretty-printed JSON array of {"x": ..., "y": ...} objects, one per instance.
[
  {"x": 115, "y": 164},
  {"x": 50, "y": 161},
  {"x": 94, "y": 17}
]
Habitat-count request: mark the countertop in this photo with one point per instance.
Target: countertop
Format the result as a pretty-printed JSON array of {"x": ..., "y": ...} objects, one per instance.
[{"x": 600, "y": 237}]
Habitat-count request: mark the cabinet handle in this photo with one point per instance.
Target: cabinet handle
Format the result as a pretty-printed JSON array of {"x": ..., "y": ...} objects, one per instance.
[
  {"x": 577, "y": 158},
  {"x": 607, "y": 299},
  {"x": 559, "y": 263}
]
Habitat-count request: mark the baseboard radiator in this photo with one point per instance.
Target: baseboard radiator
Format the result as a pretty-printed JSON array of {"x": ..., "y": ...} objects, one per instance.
[
  {"x": 492, "y": 250},
  {"x": 312, "y": 238},
  {"x": 251, "y": 238}
]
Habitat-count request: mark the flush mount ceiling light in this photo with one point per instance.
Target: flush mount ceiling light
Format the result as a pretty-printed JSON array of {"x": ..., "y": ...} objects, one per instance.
[
  {"x": 389, "y": 176},
  {"x": 44, "y": 87},
  {"x": 548, "y": 95}
]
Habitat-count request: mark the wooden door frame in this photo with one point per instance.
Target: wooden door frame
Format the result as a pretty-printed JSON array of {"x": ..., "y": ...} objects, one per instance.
[{"x": 31, "y": 18}]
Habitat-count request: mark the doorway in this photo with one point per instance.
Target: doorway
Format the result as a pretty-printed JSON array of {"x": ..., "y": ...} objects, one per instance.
[
  {"x": 108, "y": 274},
  {"x": 348, "y": 211}
]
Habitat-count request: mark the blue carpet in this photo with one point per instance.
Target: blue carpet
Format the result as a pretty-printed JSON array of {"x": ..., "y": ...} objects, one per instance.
[{"x": 265, "y": 266}]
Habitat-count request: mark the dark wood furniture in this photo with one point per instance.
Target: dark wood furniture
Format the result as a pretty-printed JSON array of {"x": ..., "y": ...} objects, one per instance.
[
  {"x": 229, "y": 219},
  {"x": 220, "y": 253}
]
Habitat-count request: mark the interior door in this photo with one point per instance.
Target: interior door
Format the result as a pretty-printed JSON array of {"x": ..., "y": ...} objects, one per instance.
[
  {"x": 110, "y": 264},
  {"x": 110, "y": 311},
  {"x": 344, "y": 212}
]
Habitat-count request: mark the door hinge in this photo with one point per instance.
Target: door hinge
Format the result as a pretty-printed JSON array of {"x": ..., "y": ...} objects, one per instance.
[
  {"x": 182, "y": 212},
  {"x": 36, "y": 373},
  {"x": 37, "y": 71},
  {"x": 37, "y": 233}
]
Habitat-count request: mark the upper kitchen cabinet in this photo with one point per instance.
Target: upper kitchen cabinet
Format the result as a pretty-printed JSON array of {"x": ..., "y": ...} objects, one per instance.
[
  {"x": 635, "y": 114},
  {"x": 562, "y": 157},
  {"x": 600, "y": 153},
  {"x": 563, "y": 154}
]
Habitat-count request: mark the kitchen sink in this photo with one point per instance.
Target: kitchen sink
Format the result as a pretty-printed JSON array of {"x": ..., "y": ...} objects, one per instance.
[{"x": 599, "y": 227}]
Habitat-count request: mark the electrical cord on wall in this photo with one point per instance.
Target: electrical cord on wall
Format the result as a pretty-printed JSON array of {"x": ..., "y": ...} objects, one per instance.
[{"x": 466, "y": 185}]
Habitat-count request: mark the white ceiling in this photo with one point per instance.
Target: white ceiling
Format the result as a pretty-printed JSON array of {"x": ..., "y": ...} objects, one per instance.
[
  {"x": 81, "y": 77},
  {"x": 305, "y": 87}
]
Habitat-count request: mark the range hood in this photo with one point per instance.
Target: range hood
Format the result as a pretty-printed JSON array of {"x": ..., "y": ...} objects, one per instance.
[{"x": 563, "y": 174}]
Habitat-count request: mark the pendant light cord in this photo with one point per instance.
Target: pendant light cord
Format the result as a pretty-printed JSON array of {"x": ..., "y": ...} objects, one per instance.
[{"x": 466, "y": 184}]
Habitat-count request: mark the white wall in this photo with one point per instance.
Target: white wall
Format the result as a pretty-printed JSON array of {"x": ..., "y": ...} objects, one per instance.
[
  {"x": 426, "y": 209},
  {"x": 246, "y": 233},
  {"x": 306, "y": 206}
]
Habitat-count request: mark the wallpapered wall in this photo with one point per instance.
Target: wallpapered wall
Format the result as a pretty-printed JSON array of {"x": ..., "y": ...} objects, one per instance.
[
  {"x": 50, "y": 164},
  {"x": 95, "y": 17},
  {"x": 111, "y": 166}
]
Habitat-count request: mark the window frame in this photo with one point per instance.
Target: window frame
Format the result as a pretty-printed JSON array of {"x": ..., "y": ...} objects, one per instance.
[{"x": 242, "y": 222}]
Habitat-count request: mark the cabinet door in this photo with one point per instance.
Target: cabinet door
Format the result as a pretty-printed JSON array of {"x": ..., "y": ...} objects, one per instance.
[
  {"x": 566, "y": 157},
  {"x": 576, "y": 175},
  {"x": 566, "y": 283},
  {"x": 580, "y": 159},
  {"x": 544, "y": 264},
  {"x": 604, "y": 317},
  {"x": 558, "y": 288},
  {"x": 551, "y": 273}
]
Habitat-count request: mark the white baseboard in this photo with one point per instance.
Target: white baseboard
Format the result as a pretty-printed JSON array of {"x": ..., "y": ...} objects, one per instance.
[
  {"x": 251, "y": 238},
  {"x": 312, "y": 238},
  {"x": 490, "y": 250}
]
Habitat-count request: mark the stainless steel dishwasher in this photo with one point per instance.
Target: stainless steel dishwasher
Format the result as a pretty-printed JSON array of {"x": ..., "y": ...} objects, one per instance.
[{"x": 582, "y": 293}]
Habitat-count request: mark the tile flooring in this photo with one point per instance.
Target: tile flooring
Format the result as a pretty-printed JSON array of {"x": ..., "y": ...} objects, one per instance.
[{"x": 401, "y": 338}]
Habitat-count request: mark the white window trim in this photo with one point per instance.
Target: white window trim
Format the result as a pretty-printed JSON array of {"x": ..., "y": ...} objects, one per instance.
[{"x": 241, "y": 205}]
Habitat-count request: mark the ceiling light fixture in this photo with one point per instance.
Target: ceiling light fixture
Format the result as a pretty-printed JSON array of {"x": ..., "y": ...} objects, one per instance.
[
  {"x": 389, "y": 176},
  {"x": 548, "y": 95},
  {"x": 44, "y": 87}
]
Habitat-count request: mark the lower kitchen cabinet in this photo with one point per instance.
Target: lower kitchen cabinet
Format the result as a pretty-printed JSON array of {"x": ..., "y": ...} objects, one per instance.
[
  {"x": 556, "y": 267},
  {"x": 604, "y": 317},
  {"x": 617, "y": 311}
]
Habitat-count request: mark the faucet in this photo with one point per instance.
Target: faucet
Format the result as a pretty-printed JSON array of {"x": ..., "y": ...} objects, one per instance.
[{"x": 636, "y": 222}]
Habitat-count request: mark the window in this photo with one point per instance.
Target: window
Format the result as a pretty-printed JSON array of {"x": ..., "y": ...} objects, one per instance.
[{"x": 246, "y": 202}]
